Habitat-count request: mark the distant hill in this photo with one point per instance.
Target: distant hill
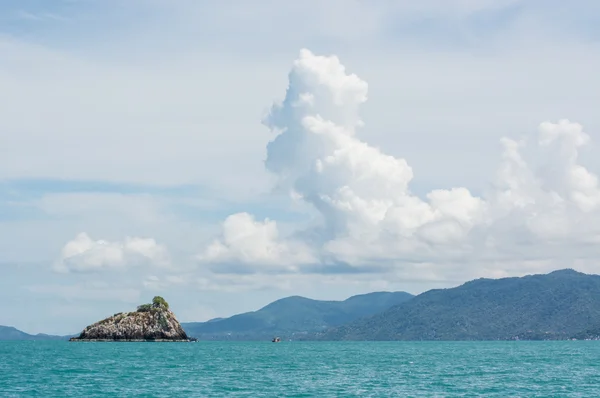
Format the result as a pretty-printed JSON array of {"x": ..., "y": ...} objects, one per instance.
[
  {"x": 558, "y": 305},
  {"x": 11, "y": 333},
  {"x": 294, "y": 316}
]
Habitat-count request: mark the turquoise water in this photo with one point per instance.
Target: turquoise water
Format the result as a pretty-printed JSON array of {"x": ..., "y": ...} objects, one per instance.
[{"x": 300, "y": 369}]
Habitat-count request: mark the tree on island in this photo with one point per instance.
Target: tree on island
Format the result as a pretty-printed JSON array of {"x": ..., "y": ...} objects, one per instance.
[{"x": 157, "y": 303}]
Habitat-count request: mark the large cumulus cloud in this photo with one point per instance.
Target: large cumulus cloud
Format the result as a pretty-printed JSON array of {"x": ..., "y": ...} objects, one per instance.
[{"x": 368, "y": 214}]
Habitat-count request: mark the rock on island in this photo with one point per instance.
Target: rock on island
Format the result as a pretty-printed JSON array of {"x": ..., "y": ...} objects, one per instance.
[{"x": 151, "y": 322}]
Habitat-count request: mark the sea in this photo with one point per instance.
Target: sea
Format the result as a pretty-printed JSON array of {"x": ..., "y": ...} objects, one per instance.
[{"x": 300, "y": 369}]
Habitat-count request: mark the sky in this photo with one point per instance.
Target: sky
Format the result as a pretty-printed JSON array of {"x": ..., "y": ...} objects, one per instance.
[{"x": 227, "y": 154}]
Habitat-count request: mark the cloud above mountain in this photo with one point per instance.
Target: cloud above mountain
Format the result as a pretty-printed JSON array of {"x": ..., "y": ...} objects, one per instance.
[
  {"x": 247, "y": 241},
  {"x": 367, "y": 213}
]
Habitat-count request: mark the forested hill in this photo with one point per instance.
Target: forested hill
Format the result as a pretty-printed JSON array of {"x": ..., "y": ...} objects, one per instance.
[{"x": 557, "y": 305}]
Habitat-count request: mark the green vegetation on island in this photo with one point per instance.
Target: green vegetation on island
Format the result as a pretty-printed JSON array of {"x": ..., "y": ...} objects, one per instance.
[{"x": 158, "y": 303}]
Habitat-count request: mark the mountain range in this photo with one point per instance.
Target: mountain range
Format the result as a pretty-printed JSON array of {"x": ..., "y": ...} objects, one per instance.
[
  {"x": 560, "y": 305},
  {"x": 295, "y": 316}
]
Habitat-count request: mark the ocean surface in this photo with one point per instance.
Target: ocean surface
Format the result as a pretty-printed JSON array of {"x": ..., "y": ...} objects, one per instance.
[{"x": 300, "y": 369}]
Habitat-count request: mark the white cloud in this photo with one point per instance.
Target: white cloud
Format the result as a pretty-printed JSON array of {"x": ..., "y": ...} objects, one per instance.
[
  {"x": 244, "y": 240},
  {"x": 362, "y": 193},
  {"x": 370, "y": 217},
  {"x": 571, "y": 180},
  {"x": 83, "y": 254}
]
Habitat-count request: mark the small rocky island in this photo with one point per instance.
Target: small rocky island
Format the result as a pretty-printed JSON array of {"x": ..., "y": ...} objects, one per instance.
[{"x": 151, "y": 322}]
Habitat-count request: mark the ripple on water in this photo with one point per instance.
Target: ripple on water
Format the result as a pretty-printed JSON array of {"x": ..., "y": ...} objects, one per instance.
[{"x": 263, "y": 369}]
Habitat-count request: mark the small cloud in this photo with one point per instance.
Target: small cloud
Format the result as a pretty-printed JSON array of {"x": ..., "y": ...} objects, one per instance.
[
  {"x": 83, "y": 254},
  {"x": 246, "y": 241}
]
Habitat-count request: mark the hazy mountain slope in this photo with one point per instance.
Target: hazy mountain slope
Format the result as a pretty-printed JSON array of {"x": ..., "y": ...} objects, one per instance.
[
  {"x": 295, "y": 315},
  {"x": 11, "y": 333}
]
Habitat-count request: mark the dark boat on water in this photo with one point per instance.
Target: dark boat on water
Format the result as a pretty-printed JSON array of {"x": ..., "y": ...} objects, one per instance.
[{"x": 276, "y": 340}]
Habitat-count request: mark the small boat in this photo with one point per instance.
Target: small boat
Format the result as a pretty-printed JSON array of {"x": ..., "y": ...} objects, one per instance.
[{"x": 276, "y": 340}]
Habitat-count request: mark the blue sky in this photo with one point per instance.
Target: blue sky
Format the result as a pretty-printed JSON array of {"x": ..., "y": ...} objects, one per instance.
[{"x": 144, "y": 125}]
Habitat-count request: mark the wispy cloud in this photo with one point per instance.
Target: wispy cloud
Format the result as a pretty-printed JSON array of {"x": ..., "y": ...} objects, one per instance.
[{"x": 39, "y": 16}]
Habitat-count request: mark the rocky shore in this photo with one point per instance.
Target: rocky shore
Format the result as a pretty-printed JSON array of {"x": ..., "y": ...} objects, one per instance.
[{"x": 150, "y": 323}]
